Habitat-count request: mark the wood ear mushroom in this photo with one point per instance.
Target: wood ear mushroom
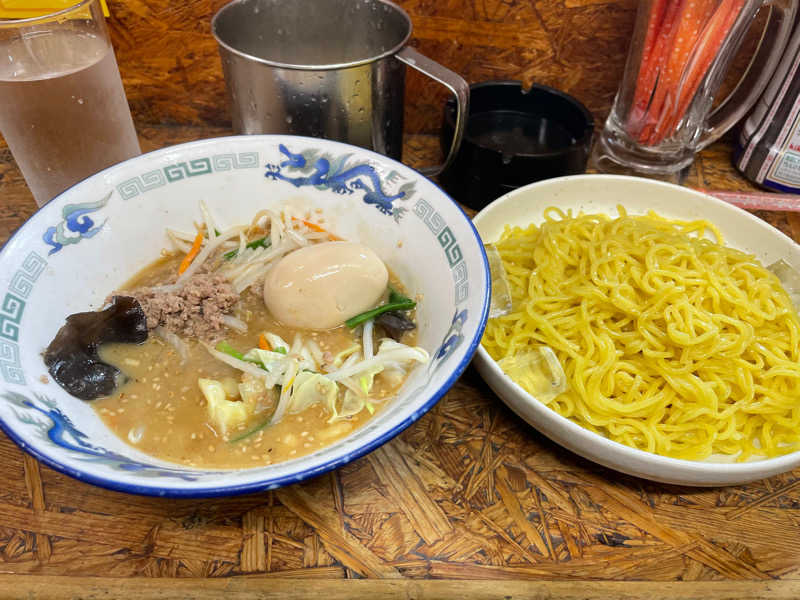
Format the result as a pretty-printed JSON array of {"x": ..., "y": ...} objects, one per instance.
[{"x": 72, "y": 358}]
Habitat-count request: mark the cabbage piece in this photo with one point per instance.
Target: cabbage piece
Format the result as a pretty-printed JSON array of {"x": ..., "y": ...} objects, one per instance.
[
  {"x": 344, "y": 354},
  {"x": 225, "y": 415},
  {"x": 367, "y": 378},
  {"x": 274, "y": 362},
  {"x": 352, "y": 404},
  {"x": 386, "y": 344},
  {"x": 276, "y": 342},
  {"x": 393, "y": 376},
  {"x": 252, "y": 391},
  {"x": 538, "y": 372},
  {"x": 309, "y": 389},
  {"x": 277, "y": 362},
  {"x": 231, "y": 387}
]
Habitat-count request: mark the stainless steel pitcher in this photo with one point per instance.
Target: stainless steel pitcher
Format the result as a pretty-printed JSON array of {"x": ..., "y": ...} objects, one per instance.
[{"x": 332, "y": 69}]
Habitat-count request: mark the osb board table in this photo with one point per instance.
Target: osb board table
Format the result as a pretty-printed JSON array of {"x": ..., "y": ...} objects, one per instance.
[{"x": 467, "y": 503}]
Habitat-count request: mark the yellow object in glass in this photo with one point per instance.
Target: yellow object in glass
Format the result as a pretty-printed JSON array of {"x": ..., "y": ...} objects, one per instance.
[{"x": 23, "y": 9}]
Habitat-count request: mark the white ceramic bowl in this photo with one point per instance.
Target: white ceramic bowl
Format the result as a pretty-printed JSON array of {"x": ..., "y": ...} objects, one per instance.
[
  {"x": 95, "y": 236},
  {"x": 602, "y": 193}
]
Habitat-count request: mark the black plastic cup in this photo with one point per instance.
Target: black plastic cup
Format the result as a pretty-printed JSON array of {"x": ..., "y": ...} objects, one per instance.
[{"x": 513, "y": 138}]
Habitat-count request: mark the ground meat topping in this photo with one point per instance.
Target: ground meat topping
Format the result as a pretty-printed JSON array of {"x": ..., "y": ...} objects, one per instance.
[{"x": 194, "y": 311}]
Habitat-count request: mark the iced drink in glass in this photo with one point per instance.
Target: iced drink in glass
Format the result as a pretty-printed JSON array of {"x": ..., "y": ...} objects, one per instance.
[{"x": 63, "y": 110}]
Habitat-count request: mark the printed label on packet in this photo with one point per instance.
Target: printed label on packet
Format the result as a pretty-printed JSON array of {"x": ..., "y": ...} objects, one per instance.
[{"x": 786, "y": 168}]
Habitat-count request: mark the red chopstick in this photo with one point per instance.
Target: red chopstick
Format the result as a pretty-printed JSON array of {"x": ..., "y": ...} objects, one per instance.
[{"x": 757, "y": 200}]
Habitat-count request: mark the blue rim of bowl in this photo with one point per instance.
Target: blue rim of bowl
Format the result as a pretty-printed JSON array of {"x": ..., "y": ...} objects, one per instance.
[{"x": 269, "y": 483}]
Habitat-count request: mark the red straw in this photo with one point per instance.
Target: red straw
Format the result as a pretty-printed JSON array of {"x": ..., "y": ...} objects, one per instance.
[
  {"x": 682, "y": 40},
  {"x": 757, "y": 200}
]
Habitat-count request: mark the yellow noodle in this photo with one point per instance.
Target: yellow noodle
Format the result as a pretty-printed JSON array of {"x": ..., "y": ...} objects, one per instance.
[{"x": 671, "y": 342}]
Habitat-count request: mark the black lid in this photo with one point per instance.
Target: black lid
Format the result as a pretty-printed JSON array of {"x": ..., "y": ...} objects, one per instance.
[{"x": 513, "y": 138}]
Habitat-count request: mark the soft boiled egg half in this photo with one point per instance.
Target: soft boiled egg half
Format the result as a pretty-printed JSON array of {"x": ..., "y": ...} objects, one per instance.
[{"x": 323, "y": 285}]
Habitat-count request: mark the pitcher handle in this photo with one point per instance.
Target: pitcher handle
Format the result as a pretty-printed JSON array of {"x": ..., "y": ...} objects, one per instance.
[
  {"x": 456, "y": 84},
  {"x": 758, "y": 74}
]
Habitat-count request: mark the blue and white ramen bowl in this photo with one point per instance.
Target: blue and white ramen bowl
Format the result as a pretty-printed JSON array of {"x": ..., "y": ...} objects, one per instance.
[{"x": 92, "y": 238}]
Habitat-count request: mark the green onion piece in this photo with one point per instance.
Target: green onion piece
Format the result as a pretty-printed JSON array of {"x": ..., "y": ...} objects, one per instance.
[
  {"x": 281, "y": 350},
  {"x": 395, "y": 296},
  {"x": 226, "y": 348},
  {"x": 263, "y": 242},
  {"x": 255, "y": 429},
  {"x": 370, "y": 407},
  {"x": 396, "y": 302}
]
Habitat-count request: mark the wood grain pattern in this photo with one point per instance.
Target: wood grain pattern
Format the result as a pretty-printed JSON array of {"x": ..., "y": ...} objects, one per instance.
[
  {"x": 243, "y": 588},
  {"x": 172, "y": 72}
]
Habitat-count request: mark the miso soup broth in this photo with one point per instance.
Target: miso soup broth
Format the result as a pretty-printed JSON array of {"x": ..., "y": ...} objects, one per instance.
[
  {"x": 161, "y": 410},
  {"x": 222, "y": 383}
]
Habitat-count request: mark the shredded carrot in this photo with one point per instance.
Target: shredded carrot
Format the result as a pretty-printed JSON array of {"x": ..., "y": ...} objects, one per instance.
[
  {"x": 317, "y": 228},
  {"x": 262, "y": 342},
  {"x": 195, "y": 250}
]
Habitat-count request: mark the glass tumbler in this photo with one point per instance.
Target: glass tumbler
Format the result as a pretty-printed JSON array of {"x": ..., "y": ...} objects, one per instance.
[
  {"x": 63, "y": 110},
  {"x": 679, "y": 54}
]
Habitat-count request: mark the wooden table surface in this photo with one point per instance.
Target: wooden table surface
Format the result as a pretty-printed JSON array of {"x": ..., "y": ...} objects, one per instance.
[{"x": 469, "y": 502}]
